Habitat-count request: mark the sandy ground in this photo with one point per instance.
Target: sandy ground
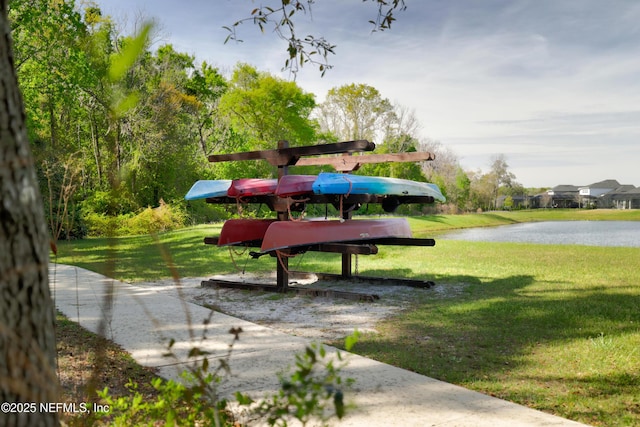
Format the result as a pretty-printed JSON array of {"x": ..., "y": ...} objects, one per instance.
[{"x": 321, "y": 318}]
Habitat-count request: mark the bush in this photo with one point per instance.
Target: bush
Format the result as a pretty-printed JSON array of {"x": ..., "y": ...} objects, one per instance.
[
  {"x": 155, "y": 220},
  {"x": 115, "y": 202},
  {"x": 151, "y": 220},
  {"x": 313, "y": 392}
]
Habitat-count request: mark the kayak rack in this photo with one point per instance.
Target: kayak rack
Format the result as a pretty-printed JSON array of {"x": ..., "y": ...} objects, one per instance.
[{"x": 285, "y": 156}]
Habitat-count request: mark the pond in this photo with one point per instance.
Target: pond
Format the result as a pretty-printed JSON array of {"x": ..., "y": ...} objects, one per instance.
[{"x": 590, "y": 233}]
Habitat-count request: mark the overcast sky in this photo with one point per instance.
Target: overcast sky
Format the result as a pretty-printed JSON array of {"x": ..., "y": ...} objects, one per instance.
[{"x": 554, "y": 85}]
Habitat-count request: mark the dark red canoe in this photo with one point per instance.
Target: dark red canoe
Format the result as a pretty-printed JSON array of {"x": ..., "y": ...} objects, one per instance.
[
  {"x": 246, "y": 187},
  {"x": 243, "y": 231},
  {"x": 289, "y": 234},
  {"x": 294, "y": 185}
]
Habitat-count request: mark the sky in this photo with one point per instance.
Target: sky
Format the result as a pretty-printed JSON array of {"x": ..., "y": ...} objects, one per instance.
[{"x": 554, "y": 86}]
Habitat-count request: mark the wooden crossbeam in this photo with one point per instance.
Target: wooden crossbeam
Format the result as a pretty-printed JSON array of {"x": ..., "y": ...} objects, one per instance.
[
  {"x": 246, "y": 244},
  {"x": 404, "y": 241},
  {"x": 341, "y": 248},
  {"x": 385, "y": 281},
  {"x": 327, "y": 293},
  {"x": 290, "y": 156},
  {"x": 353, "y": 163},
  {"x": 353, "y": 247},
  {"x": 338, "y": 248}
]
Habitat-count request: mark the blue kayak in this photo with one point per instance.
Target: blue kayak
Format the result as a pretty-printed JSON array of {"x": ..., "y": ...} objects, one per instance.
[
  {"x": 208, "y": 188},
  {"x": 339, "y": 183}
]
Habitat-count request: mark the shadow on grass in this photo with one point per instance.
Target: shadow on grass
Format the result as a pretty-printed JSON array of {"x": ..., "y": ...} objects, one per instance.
[
  {"x": 143, "y": 258},
  {"x": 487, "y": 332}
]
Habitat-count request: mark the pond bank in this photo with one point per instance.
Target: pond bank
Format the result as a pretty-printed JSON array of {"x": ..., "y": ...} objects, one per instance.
[
  {"x": 426, "y": 225},
  {"x": 589, "y": 233}
]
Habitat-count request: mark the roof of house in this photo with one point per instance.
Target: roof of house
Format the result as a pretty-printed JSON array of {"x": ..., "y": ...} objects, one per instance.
[
  {"x": 565, "y": 188},
  {"x": 627, "y": 191},
  {"x": 610, "y": 184}
]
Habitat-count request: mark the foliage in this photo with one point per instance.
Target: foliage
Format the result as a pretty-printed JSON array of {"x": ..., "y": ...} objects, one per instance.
[
  {"x": 63, "y": 214},
  {"x": 499, "y": 176},
  {"x": 176, "y": 405},
  {"x": 190, "y": 402},
  {"x": 150, "y": 220},
  {"x": 281, "y": 17},
  {"x": 116, "y": 125},
  {"x": 355, "y": 111},
  {"x": 270, "y": 109},
  {"x": 312, "y": 388},
  {"x": 314, "y": 391}
]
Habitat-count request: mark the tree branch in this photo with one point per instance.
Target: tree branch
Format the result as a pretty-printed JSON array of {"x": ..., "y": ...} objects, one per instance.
[{"x": 305, "y": 50}]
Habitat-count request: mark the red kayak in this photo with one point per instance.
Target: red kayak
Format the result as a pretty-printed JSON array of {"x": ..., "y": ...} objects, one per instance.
[
  {"x": 294, "y": 185},
  {"x": 288, "y": 234},
  {"x": 246, "y": 187},
  {"x": 243, "y": 231}
]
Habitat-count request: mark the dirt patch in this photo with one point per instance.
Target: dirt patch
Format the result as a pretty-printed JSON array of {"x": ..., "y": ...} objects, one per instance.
[{"x": 312, "y": 317}]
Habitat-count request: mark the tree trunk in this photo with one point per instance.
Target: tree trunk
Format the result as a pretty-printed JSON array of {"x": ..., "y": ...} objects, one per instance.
[
  {"x": 27, "y": 339},
  {"x": 96, "y": 147}
]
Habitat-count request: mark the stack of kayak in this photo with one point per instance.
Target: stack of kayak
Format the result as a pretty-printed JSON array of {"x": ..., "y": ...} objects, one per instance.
[
  {"x": 322, "y": 184},
  {"x": 272, "y": 235}
]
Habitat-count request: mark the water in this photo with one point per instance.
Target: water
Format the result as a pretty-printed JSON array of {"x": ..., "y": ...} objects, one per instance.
[{"x": 590, "y": 233}]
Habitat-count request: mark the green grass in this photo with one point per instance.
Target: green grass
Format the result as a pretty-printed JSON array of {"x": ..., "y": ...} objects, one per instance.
[
  {"x": 556, "y": 328},
  {"x": 148, "y": 258},
  {"x": 432, "y": 223}
]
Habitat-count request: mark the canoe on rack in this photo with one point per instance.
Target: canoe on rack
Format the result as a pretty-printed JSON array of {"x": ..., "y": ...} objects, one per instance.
[
  {"x": 248, "y": 187},
  {"x": 243, "y": 231},
  {"x": 208, "y": 188},
  {"x": 291, "y": 234},
  {"x": 295, "y": 185},
  {"x": 338, "y": 183}
]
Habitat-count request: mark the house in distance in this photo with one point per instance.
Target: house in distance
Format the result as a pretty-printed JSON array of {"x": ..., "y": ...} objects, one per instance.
[{"x": 607, "y": 194}]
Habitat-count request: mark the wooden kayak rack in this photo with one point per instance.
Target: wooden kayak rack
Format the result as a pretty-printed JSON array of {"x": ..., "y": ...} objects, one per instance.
[{"x": 285, "y": 156}]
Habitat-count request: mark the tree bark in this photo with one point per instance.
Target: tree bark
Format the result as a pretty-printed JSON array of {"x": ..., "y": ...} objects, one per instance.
[{"x": 27, "y": 338}]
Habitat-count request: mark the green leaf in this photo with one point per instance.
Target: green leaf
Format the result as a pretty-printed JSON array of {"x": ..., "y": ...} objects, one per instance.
[
  {"x": 311, "y": 354},
  {"x": 124, "y": 60},
  {"x": 338, "y": 401},
  {"x": 243, "y": 399},
  {"x": 120, "y": 108},
  {"x": 351, "y": 340}
]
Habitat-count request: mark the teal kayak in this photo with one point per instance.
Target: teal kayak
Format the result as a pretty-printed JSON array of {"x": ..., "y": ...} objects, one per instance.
[
  {"x": 339, "y": 183},
  {"x": 208, "y": 188}
]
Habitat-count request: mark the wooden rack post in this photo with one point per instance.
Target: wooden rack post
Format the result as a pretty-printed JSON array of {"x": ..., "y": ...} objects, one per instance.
[{"x": 282, "y": 272}]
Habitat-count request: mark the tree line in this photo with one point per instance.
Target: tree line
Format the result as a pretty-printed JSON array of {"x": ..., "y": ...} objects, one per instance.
[{"x": 111, "y": 142}]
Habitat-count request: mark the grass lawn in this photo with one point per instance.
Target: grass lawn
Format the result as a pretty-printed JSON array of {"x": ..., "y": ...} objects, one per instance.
[{"x": 556, "y": 328}]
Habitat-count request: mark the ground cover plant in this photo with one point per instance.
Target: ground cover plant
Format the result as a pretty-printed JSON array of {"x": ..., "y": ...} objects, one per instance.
[{"x": 552, "y": 327}]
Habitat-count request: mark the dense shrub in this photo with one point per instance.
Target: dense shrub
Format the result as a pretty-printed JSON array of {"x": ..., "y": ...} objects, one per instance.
[{"x": 150, "y": 220}]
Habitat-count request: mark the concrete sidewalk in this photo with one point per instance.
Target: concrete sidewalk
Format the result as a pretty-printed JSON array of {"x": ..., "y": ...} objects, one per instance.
[{"x": 143, "y": 321}]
